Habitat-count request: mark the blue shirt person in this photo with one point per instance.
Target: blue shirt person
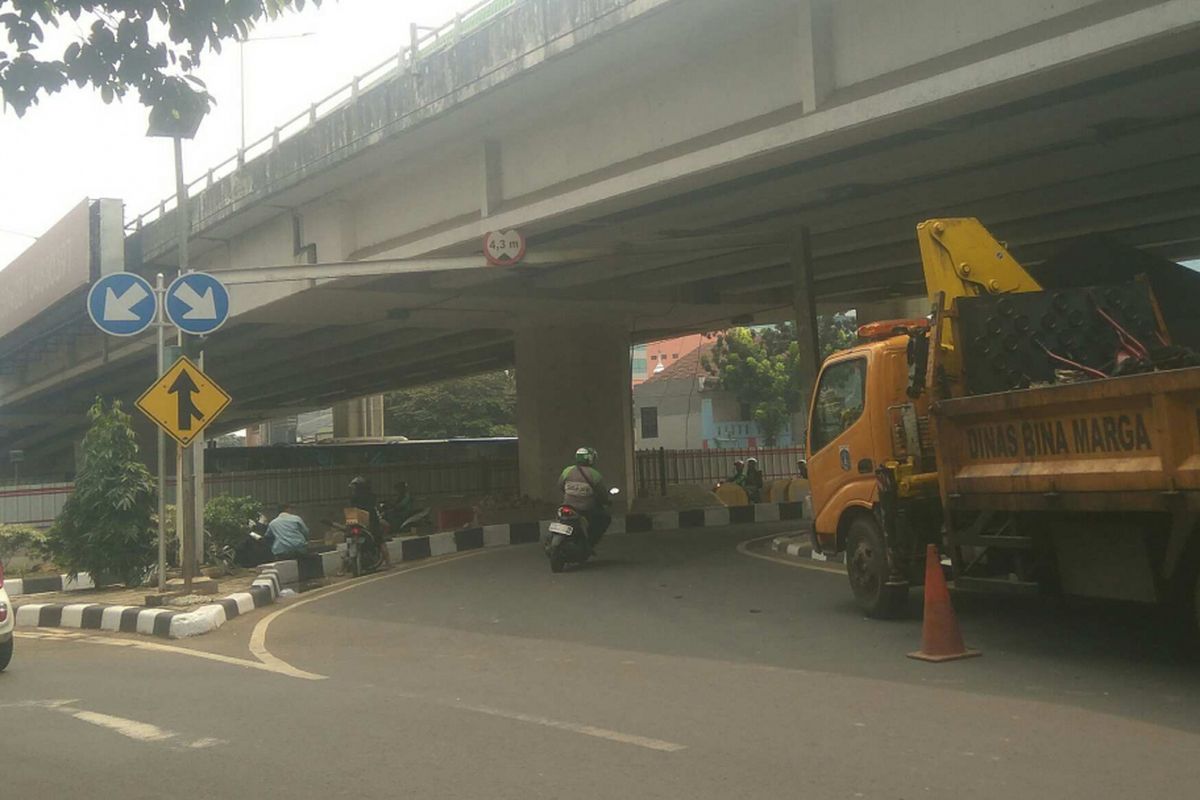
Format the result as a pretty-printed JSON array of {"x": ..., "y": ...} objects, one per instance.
[{"x": 290, "y": 533}]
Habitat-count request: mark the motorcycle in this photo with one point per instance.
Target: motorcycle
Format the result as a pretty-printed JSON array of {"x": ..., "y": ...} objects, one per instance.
[
  {"x": 364, "y": 549},
  {"x": 570, "y": 541},
  {"x": 255, "y": 549}
]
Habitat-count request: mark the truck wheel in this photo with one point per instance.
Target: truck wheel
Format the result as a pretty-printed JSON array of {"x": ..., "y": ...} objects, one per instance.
[
  {"x": 6, "y": 651},
  {"x": 866, "y": 566}
]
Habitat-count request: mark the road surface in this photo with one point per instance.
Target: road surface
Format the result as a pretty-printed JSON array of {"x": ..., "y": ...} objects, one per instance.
[{"x": 676, "y": 666}]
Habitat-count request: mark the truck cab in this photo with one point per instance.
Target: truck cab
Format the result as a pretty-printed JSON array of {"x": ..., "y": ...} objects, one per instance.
[{"x": 856, "y": 425}]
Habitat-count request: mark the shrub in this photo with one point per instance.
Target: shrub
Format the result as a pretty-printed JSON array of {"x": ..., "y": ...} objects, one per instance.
[
  {"x": 226, "y": 521},
  {"x": 20, "y": 538},
  {"x": 106, "y": 527}
]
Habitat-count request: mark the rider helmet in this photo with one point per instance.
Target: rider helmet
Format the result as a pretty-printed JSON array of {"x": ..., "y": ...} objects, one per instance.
[{"x": 586, "y": 456}]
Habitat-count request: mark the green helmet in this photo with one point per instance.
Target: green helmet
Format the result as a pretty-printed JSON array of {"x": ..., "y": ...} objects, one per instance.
[{"x": 586, "y": 456}]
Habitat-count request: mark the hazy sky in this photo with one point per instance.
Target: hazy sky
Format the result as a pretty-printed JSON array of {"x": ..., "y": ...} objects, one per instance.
[{"x": 72, "y": 145}]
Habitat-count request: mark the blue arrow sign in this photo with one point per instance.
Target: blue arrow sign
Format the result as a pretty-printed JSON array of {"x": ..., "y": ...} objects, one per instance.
[
  {"x": 197, "y": 303},
  {"x": 122, "y": 304}
]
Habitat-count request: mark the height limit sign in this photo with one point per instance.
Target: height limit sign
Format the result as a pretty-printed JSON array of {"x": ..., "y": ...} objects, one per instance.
[{"x": 184, "y": 401}]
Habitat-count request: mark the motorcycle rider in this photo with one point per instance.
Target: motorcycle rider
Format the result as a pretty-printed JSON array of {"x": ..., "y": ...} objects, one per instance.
[
  {"x": 584, "y": 490},
  {"x": 738, "y": 476},
  {"x": 753, "y": 482}
]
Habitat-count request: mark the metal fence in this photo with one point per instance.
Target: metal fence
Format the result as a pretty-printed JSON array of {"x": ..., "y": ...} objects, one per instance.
[
  {"x": 428, "y": 482},
  {"x": 655, "y": 470},
  {"x": 38, "y": 505},
  {"x": 33, "y": 504}
]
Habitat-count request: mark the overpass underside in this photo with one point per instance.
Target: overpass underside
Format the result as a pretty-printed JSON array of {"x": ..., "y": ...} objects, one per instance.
[{"x": 661, "y": 156}]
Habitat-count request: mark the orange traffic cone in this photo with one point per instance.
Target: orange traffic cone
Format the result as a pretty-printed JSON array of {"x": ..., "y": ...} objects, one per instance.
[{"x": 941, "y": 640}]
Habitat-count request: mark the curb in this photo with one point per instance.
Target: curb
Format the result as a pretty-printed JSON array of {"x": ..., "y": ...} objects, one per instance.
[
  {"x": 414, "y": 548},
  {"x": 42, "y": 584},
  {"x": 162, "y": 622},
  {"x": 796, "y": 547},
  {"x": 276, "y": 576}
]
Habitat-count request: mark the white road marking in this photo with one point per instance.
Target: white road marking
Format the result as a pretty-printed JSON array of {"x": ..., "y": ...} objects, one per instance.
[
  {"x": 586, "y": 730},
  {"x": 266, "y": 661},
  {"x": 166, "y": 648},
  {"x": 129, "y": 728},
  {"x": 258, "y": 637},
  {"x": 744, "y": 549}
]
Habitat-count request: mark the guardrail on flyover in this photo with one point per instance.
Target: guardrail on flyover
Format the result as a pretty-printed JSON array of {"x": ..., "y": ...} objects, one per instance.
[{"x": 424, "y": 41}]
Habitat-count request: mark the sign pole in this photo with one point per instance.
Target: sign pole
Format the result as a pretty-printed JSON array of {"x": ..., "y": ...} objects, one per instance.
[
  {"x": 162, "y": 445},
  {"x": 197, "y": 448},
  {"x": 183, "y": 483}
]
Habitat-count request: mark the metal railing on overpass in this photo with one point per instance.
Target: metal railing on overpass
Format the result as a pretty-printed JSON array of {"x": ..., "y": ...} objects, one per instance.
[
  {"x": 424, "y": 41},
  {"x": 655, "y": 470}
]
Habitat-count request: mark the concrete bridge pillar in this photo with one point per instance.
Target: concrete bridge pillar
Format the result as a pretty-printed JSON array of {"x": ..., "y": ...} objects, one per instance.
[
  {"x": 573, "y": 389},
  {"x": 359, "y": 419}
]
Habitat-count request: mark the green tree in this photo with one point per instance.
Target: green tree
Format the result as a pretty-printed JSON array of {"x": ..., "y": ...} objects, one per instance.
[
  {"x": 761, "y": 367},
  {"x": 151, "y": 47},
  {"x": 106, "y": 527},
  {"x": 481, "y": 405}
]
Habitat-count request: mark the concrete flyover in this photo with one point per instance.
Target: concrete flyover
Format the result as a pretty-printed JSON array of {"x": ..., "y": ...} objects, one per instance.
[{"x": 662, "y": 157}]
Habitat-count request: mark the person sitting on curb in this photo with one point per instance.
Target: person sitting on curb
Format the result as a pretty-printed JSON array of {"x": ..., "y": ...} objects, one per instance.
[{"x": 289, "y": 534}]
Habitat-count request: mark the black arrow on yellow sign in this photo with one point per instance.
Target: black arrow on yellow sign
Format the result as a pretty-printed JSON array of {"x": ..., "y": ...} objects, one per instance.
[
  {"x": 183, "y": 388},
  {"x": 183, "y": 401}
]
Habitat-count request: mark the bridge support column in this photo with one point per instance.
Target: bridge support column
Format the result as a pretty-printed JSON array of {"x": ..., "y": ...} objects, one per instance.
[
  {"x": 359, "y": 419},
  {"x": 573, "y": 389},
  {"x": 804, "y": 309}
]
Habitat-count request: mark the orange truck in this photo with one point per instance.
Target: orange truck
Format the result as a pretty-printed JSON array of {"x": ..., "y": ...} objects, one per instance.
[{"x": 1045, "y": 437}]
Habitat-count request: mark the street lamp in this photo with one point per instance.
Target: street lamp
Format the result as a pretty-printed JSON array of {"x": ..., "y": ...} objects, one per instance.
[
  {"x": 242, "y": 75},
  {"x": 177, "y": 122}
]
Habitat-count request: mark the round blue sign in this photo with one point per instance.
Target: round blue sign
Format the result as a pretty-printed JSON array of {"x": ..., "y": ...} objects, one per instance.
[
  {"x": 197, "y": 303},
  {"x": 122, "y": 304}
]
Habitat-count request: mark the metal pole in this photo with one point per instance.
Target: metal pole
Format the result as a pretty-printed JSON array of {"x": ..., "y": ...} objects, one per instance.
[
  {"x": 242, "y": 92},
  {"x": 162, "y": 444},
  {"x": 197, "y": 448},
  {"x": 184, "y": 494}
]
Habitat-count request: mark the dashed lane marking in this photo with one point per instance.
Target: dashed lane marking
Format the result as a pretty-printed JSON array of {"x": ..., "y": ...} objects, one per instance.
[{"x": 129, "y": 728}]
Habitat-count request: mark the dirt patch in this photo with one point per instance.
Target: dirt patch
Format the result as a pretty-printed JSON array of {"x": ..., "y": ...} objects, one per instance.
[
  {"x": 120, "y": 596},
  {"x": 679, "y": 498}
]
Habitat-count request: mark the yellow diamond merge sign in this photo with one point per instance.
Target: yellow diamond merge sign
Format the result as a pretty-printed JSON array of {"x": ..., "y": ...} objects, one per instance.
[{"x": 183, "y": 401}]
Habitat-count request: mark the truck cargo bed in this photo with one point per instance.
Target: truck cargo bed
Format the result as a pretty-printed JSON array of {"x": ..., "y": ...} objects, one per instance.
[{"x": 1130, "y": 443}]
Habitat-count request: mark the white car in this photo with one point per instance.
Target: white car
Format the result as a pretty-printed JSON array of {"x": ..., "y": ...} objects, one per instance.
[{"x": 8, "y": 618}]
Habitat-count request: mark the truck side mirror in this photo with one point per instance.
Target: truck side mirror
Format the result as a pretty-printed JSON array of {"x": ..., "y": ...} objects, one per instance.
[{"x": 802, "y": 465}]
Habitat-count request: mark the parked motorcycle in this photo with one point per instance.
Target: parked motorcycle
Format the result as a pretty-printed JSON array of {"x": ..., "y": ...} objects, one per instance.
[
  {"x": 255, "y": 549},
  {"x": 364, "y": 549},
  {"x": 570, "y": 541}
]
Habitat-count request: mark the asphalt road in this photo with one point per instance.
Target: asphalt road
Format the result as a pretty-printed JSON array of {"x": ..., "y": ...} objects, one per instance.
[{"x": 675, "y": 666}]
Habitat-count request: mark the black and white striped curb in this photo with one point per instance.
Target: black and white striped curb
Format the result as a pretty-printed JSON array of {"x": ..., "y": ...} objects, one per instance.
[
  {"x": 275, "y": 577},
  {"x": 165, "y": 622},
  {"x": 801, "y": 547},
  {"x": 43, "y": 584},
  {"x": 413, "y": 548}
]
